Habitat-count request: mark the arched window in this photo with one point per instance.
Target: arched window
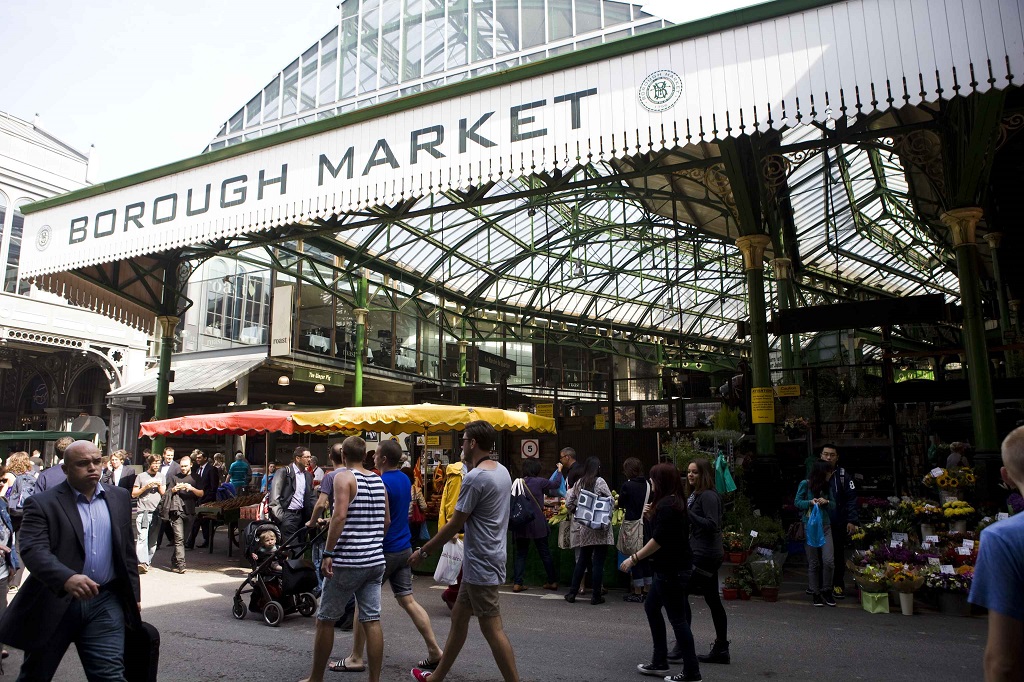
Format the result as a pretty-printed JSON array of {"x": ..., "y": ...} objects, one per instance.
[
  {"x": 3, "y": 215},
  {"x": 12, "y": 284}
]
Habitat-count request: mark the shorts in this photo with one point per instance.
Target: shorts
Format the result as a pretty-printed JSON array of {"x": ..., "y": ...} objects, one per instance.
[
  {"x": 482, "y": 598},
  {"x": 397, "y": 572},
  {"x": 349, "y": 581}
]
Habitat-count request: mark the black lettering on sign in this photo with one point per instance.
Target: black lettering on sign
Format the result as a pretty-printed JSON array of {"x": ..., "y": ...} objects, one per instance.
[
  {"x": 430, "y": 147},
  {"x": 517, "y": 123},
  {"x": 189, "y": 211},
  {"x": 346, "y": 161},
  {"x": 237, "y": 191},
  {"x": 132, "y": 213},
  {"x": 79, "y": 230},
  {"x": 279, "y": 180},
  {"x": 574, "y": 99},
  {"x": 389, "y": 157},
  {"x": 471, "y": 134},
  {"x": 173, "y": 198},
  {"x": 97, "y": 231}
]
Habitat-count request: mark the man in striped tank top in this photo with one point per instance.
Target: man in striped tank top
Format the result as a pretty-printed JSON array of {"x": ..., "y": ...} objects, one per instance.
[
  {"x": 483, "y": 509},
  {"x": 355, "y": 565}
]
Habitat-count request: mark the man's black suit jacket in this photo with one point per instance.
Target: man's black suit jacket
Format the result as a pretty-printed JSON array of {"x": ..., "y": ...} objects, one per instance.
[
  {"x": 127, "y": 478},
  {"x": 53, "y": 550},
  {"x": 282, "y": 488},
  {"x": 209, "y": 481}
]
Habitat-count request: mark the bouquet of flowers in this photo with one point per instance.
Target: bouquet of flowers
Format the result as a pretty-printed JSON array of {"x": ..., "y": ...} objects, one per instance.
[
  {"x": 733, "y": 542},
  {"x": 926, "y": 512},
  {"x": 957, "y": 510},
  {"x": 959, "y": 583},
  {"x": 871, "y": 578},
  {"x": 906, "y": 579},
  {"x": 951, "y": 479}
]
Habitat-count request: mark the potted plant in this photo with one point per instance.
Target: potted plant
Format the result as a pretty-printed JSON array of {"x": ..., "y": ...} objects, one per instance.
[
  {"x": 906, "y": 581},
  {"x": 957, "y": 513},
  {"x": 745, "y": 578},
  {"x": 952, "y": 590},
  {"x": 731, "y": 589},
  {"x": 768, "y": 578},
  {"x": 734, "y": 547}
]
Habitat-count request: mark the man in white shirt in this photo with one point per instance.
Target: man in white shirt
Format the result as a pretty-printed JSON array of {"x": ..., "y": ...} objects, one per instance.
[{"x": 292, "y": 494}]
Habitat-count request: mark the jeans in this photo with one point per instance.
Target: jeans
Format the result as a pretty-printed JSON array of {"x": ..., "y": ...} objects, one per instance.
[
  {"x": 523, "y": 549},
  {"x": 145, "y": 542},
  {"x": 96, "y": 626},
  {"x": 592, "y": 556},
  {"x": 641, "y": 574},
  {"x": 179, "y": 527},
  {"x": 707, "y": 587},
  {"x": 821, "y": 563},
  {"x": 669, "y": 592}
]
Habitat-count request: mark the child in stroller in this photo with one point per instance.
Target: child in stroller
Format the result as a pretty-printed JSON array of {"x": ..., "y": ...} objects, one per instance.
[{"x": 277, "y": 584}]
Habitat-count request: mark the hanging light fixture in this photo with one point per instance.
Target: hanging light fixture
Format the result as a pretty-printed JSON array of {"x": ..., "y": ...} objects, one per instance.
[
  {"x": 283, "y": 380},
  {"x": 292, "y": 403},
  {"x": 319, "y": 388},
  {"x": 170, "y": 399}
]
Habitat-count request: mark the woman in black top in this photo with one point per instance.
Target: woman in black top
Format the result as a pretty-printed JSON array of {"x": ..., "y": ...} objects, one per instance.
[
  {"x": 671, "y": 560},
  {"x": 704, "y": 509},
  {"x": 632, "y": 495}
]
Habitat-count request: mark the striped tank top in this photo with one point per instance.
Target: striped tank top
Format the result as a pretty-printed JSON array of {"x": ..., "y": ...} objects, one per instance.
[{"x": 362, "y": 539}]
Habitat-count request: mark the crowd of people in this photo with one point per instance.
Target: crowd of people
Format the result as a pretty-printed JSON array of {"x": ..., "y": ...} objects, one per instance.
[{"x": 83, "y": 585}]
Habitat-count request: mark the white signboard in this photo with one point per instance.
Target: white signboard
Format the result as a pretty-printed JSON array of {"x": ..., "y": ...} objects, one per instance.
[
  {"x": 281, "y": 321},
  {"x": 530, "y": 448}
]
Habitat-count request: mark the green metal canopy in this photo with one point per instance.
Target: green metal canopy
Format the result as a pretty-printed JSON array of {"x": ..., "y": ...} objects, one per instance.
[{"x": 8, "y": 436}]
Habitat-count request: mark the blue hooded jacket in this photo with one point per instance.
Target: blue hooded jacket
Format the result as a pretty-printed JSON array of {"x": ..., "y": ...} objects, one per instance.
[{"x": 12, "y": 559}]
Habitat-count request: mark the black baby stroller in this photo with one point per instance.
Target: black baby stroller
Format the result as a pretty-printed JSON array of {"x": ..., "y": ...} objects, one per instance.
[{"x": 278, "y": 584}]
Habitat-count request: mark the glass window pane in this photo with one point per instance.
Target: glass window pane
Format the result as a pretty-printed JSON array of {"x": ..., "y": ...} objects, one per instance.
[
  {"x": 412, "y": 44},
  {"x": 368, "y": 57},
  {"x": 615, "y": 13},
  {"x": 433, "y": 37},
  {"x": 235, "y": 122},
  {"x": 506, "y": 38},
  {"x": 329, "y": 68},
  {"x": 309, "y": 59},
  {"x": 3, "y": 214},
  {"x": 289, "y": 105},
  {"x": 252, "y": 111},
  {"x": 272, "y": 99},
  {"x": 391, "y": 40},
  {"x": 483, "y": 27},
  {"x": 458, "y": 33},
  {"x": 588, "y": 16},
  {"x": 559, "y": 19},
  {"x": 14, "y": 255},
  {"x": 534, "y": 23},
  {"x": 349, "y": 65},
  {"x": 349, "y": 8}
]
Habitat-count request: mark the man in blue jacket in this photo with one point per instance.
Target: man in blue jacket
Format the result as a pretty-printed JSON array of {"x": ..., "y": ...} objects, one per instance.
[{"x": 844, "y": 516}]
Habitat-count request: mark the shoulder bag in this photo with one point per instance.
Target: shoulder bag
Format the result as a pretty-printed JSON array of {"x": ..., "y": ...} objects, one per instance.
[
  {"x": 521, "y": 511},
  {"x": 631, "y": 533},
  {"x": 593, "y": 510}
]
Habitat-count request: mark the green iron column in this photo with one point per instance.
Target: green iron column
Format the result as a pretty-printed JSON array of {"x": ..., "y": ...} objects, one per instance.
[
  {"x": 357, "y": 382},
  {"x": 994, "y": 239},
  {"x": 783, "y": 273},
  {"x": 167, "y": 324},
  {"x": 962, "y": 223},
  {"x": 753, "y": 247},
  {"x": 463, "y": 362}
]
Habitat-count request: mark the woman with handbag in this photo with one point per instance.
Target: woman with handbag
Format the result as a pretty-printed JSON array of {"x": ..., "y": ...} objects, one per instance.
[
  {"x": 536, "y": 531},
  {"x": 815, "y": 494},
  {"x": 704, "y": 510},
  {"x": 590, "y": 491},
  {"x": 634, "y": 531},
  {"x": 417, "y": 512},
  {"x": 672, "y": 561}
]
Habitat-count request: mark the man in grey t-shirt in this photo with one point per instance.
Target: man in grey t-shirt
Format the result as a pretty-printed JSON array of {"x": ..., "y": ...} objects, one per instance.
[
  {"x": 482, "y": 512},
  {"x": 148, "y": 491}
]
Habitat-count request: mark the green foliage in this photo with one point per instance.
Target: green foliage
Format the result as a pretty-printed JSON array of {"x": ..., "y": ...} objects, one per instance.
[
  {"x": 745, "y": 578},
  {"x": 726, "y": 419},
  {"x": 740, "y": 519},
  {"x": 710, "y": 437},
  {"x": 682, "y": 452},
  {"x": 768, "y": 574}
]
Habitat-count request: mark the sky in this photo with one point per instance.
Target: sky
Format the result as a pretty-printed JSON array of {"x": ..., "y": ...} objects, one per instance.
[{"x": 147, "y": 82}]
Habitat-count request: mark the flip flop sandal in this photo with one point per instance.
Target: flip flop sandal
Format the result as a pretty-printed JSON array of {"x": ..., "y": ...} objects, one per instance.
[
  {"x": 342, "y": 666},
  {"x": 428, "y": 665}
]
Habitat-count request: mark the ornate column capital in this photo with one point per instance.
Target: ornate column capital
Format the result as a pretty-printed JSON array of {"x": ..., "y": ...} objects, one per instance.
[
  {"x": 360, "y": 314},
  {"x": 752, "y": 247},
  {"x": 167, "y": 324},
  {"x": 994, "y": 239},
  {"x": 463, "y": 345},
  {"x": 962, "y": 223},
  {"x": 783, "y": 268}
]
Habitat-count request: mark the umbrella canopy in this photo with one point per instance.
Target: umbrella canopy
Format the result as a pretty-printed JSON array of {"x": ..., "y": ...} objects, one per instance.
[
  {"x": 248, "y": 423},
  {"x": 420, "y": 418}
]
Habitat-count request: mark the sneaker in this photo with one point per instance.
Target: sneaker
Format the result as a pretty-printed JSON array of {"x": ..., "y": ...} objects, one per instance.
[
  {"x": 652, "y": 670},
  {"x": 828, "y": 599},
  {"x": 682, "y": 677},
  {"x": 550, "y": 586},
  {"x": 634, "y": 598},
  {"x": 420, "y": 675},
  {"x": 838, "y": 593},
  {"x": 809, "y": 592},
  {"x": 178, "y": 569},
  {"x": 818, "y": 601}
]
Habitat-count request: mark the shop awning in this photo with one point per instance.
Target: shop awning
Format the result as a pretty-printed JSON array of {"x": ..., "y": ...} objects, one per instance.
[
  {"x": 221, "y": 424},
  {"x": 425, "y": 418},
  {"x": 195, "y": 376}
]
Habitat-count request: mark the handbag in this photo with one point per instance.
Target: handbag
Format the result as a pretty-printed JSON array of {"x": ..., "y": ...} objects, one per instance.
[
  {"x": 815, "y": 528},
  {"x": 416, "y": 514},
  {"x": 564, "y": 534},
  {"x": 449, "y": 564},
  {"x": 593, "y": 510},
  {"x": 521, "y": 512},
  {"x": 724, "y": 482},
  {"x": 631, "y": 533}
]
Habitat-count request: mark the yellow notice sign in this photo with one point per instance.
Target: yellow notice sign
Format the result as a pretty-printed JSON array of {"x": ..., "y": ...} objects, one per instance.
[
  {"x": 599, "y": 421},
  {"x": 788, "y": 391},
  {"x": 433, "y": 441},
  {"x": 545, "y": 409},
  {"x": 762, "y": 405}
]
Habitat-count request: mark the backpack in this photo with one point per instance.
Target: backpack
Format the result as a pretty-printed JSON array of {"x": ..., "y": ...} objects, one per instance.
[{"x": 24, "y": 487}]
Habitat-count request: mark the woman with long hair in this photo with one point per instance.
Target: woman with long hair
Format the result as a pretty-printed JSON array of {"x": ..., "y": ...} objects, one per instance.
[
  {"x": 535, "y": 532},
  {"x": 632, "y": 496},
  {"x": 815, "y": 491},
  {"x": 704, "y": 510},
  {"x": 592, "y": 542},
  {"x": 672, "y": 562}
]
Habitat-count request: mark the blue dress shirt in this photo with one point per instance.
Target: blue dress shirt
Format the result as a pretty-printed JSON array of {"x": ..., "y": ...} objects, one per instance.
[{"x": 97, "y": 536}]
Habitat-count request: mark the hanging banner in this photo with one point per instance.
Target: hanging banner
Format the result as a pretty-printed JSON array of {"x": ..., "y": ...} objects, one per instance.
[
  {"x": 762, "y": 406},
  {"x": 281, "y": 321}
]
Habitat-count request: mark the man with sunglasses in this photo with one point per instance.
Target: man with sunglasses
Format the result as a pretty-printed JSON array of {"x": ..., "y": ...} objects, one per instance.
[{"x": 483, "y": 509}]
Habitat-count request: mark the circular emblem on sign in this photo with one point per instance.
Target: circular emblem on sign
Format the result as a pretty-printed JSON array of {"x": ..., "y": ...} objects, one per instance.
[
  {"x": 661, "y": 90},
  {"x": 43, "y": 237},
  {"x": 530, "y": 448}
]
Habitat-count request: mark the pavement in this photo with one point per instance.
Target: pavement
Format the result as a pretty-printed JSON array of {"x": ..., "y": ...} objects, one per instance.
[{"x": 554, "y": 641}]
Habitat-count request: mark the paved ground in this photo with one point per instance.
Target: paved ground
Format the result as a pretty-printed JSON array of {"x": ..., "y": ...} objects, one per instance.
[{"x": 554, "y": 641}]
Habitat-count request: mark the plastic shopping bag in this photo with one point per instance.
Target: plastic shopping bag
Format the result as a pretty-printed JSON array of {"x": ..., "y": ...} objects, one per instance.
[
  {"x": 450, "y": 563},
  {"x": 723, "y": 477},
  {"x": 815, "y": 528}
]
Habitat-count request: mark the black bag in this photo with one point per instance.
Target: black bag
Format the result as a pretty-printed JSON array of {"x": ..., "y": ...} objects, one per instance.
[
  {"x": 521, "y": 507},
  {"x": 141, "y": 653}
]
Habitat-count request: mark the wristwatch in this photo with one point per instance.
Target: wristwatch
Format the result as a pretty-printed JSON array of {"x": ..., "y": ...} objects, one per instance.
[{"x": 424, "y": 552}]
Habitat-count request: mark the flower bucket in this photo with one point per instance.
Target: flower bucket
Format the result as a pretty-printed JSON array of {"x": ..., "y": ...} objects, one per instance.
[
  {"x": 947, "y": 496},
  {"x": 958, "y": 527},
  {"x": 730, "y": 593},
  {"x": 873, "y": 602},
  {"x": 954, "y": 604},
  {"x": 907, "y": 603},
  {"x": 770, "y": 594},
  {"x": 737, "y": 557}
]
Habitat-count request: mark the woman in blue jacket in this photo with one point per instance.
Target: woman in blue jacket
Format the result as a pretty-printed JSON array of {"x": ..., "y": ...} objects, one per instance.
[
  {"x": 10, "y": 562},
  {"x": 815, "y": 491}
]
